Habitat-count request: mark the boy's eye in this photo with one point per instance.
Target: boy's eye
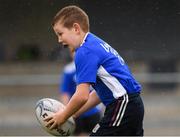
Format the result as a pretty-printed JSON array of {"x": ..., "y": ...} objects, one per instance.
[{"x": 59, "y": 34}]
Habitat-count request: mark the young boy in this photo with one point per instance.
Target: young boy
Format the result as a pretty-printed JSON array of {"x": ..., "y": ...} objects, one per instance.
[{"x": 99, "y": 65}]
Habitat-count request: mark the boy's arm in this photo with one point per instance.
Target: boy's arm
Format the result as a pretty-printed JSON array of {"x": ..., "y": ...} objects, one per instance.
[
  {"x": 79, "y": 98},
  {"x": 92, "y": 101}
]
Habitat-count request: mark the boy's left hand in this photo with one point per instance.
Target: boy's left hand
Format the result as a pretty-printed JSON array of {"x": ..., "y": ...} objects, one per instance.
[{"x": 55, "y": 120}]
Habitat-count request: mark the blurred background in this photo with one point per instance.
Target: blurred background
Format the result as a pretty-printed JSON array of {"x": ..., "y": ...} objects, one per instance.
[{"x": 146, "y": 33}]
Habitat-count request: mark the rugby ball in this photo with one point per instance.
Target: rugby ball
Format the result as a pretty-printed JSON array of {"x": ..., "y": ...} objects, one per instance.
[{"x": 46, "y": 107}]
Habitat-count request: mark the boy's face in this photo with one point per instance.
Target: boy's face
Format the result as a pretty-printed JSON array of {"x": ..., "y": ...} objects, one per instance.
[{"x": 67, "y": 37}]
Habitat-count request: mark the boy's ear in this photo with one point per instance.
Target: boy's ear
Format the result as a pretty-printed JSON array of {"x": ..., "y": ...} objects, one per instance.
[{"x": 76, "y": 27}]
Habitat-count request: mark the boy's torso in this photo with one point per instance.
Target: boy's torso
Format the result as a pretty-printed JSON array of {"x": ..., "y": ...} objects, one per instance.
[{"x": 112, "y": 78}]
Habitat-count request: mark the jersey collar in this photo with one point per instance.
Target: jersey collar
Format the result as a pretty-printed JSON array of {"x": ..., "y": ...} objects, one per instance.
[{"x": 84, "y": 39}]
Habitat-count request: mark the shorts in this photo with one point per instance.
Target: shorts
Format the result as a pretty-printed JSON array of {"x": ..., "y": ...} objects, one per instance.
[
  {"x": 86, "y": 124},
  {"x": 123, "y": 117}
]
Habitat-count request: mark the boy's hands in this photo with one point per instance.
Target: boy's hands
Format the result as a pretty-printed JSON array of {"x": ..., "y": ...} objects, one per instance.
[
  {"x": 79, "y": 98},
  {"x": 55, "y": 120}
]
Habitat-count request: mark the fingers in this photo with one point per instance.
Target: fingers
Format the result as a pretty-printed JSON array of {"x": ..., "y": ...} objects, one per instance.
[
  {"x": 51, "y": 124},
  {"x": 48, "y": 118},
  {"x": 53, "y": 121}
]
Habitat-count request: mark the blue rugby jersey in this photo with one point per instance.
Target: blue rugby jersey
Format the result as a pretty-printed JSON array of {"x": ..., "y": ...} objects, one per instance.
[
  {"x": 99, "y": 64},
  {"x": 68, "y": 85}
]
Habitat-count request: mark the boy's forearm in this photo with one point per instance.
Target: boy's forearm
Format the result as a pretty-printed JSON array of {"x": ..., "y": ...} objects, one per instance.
[
  {"x": 92, "y": 102},
  {"x": 73, "y": 106},
  {"x": 76, "y": 102}
]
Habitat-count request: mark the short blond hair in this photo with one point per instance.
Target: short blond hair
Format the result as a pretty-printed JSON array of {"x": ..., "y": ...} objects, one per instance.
[{"x": 70, "y": 15}]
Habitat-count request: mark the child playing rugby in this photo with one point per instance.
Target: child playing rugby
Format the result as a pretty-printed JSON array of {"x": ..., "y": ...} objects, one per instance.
[{"x": 99, "y": 65}]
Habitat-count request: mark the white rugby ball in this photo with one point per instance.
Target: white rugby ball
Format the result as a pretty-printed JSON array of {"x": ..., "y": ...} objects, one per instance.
[{"x": 46, "y": 107}]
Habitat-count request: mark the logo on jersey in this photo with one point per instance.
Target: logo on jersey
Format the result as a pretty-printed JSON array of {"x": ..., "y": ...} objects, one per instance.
[{"x": 108, "y": 49}]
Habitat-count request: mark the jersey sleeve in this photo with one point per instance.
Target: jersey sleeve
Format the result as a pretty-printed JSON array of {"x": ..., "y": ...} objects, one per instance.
[{"x": 86, "y": 67}]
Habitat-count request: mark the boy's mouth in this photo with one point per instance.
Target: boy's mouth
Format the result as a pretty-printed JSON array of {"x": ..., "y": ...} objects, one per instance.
[{"x": 65, "y": 46}]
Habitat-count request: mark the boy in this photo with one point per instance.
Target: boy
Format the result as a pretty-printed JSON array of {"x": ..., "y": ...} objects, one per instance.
[
  {"x": 85, "y": 122},
  {"x": 99, "y": 65}
]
